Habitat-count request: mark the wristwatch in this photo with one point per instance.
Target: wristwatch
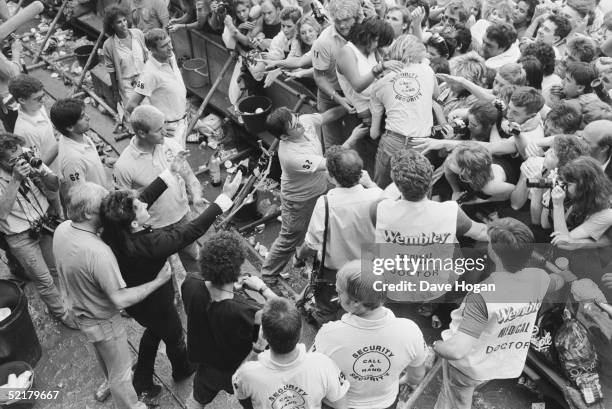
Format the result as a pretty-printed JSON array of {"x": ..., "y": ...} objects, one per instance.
[{"x": 262, "y": 289}]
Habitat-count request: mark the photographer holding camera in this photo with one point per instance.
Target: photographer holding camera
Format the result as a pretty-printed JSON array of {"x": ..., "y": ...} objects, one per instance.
[
  {"x": 27, "y": 187},
  {"x": 588, "y": 191}
]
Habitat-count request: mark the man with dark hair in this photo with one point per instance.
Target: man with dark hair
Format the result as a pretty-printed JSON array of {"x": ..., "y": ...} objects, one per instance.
[
  {"x": 303, "y": 179},
  {"x": 577, "y": 81},
  {"x": 416, "y": 220},
  {"x": 25, "y": 193},
  {"x": 347, "y": 206},
  {"x": 562, "y": 119},
  {"x": 77, "y": 156},
  {"x": 221, "y": 325},
  {"x": 499, "y": 46},
  {"x": 480, "y": 344},
  {"x": 162, "y": 82},
  {"x": 553, "y": 31},
  {"x": 33, "y": 123},
  {"x": 286, "y": 372}
]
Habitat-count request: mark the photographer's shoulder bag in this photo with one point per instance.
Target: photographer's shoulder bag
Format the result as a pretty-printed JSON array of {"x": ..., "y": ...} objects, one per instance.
[{"x": 322, "y": 273}]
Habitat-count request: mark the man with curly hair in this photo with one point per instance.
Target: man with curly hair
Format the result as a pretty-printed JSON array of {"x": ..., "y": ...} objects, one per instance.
[
  {"x": 346, "y": 206},
  {"x": 415, "y": 220},
  {"x": 221, "y": 326}
]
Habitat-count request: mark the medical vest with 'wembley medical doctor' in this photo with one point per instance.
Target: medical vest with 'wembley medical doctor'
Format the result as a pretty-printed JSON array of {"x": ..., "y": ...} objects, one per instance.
[
  {"x": 512, "y": 308},
  {"x": 425, "y": 232}
]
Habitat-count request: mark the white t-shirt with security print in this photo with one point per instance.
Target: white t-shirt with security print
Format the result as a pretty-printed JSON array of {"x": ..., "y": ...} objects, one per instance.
[
  {"x": 301, "y": 384},
  {"x": 372, "y": 354}
]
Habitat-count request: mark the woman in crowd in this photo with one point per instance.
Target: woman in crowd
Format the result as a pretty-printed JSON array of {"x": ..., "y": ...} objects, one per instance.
[
  {"x": 124, "y": 52},
  {"x": 476, "y": 177},
  {"x": 358, "y": 60},
  {"x": 221, "y": 325},
  {"x": 141, "y": 253},
  {"x": 238, "y": 26},
  {"x": 588, "y": 191},
  {"x": 565, "y": 149},
  {"x": 503, "y": 12},
  {"x": 298, "y": 64}
]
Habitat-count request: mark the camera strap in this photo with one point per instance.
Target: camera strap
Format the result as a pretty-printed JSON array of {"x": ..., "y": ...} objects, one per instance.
[{"x": 24, "y": 193}]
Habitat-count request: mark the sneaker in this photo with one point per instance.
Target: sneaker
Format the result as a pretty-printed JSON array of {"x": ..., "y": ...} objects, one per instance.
[
  {"x": 103, "y": 392},
  {"x": 182, "y": 375}
]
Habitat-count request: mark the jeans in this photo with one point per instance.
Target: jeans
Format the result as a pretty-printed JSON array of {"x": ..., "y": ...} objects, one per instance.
[
  {"x": 389, "y": 146},
  {"x": 36, "y": 257},
  {"x": 457, "y": 389},
  {"x": 161, "y": 327},
  {"x": 295, "y": 218},
  {"x": 338, "y": 131},
  {"x": 109, "y": 340}
]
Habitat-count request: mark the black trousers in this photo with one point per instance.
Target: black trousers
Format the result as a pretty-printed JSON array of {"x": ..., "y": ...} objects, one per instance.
[{"x": 165, "y": 326}]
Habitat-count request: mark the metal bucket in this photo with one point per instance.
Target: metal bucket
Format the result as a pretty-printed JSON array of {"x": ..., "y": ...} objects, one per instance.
[
  {"x": 255, "y": 122},
  {"x": 195, "y": 73}
]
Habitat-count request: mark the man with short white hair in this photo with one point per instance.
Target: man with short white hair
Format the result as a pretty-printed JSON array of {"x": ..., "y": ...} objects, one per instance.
[
  {"x": 89, "y": 272},
  {"x": 149, "y": 153},
  {"x": 162, "y": 82}
]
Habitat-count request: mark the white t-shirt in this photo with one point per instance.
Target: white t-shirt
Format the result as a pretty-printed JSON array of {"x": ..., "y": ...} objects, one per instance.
[
  {"x": 303, "y": 383},
  {"x": 163, "y": 84},
  {"x": 406, "y": 98},
  {"x": 372, "y": 354}
]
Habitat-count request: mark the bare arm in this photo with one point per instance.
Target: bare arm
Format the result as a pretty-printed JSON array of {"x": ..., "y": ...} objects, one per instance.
[
  {"x": 347, "y": 66},
  {"x": 134, "y": 102},
  {"x": 456, "y": 347},
  {"x": 7, "y": 200}
]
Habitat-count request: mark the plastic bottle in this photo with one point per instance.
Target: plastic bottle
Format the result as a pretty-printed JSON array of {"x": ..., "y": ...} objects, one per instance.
[{"x": 215, "y": 170}]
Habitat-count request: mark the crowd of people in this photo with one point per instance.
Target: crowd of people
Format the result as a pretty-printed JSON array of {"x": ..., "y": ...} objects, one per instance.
[{"x": 481, "y": 124}]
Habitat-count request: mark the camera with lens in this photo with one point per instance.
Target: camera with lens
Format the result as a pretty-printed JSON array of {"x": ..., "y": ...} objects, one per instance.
[
  {"x": 45, "y": 225},
  {"x": 29, "y": 157},
  {"x": 459, "y": 126},
  {"x": 545, "y": 183}
]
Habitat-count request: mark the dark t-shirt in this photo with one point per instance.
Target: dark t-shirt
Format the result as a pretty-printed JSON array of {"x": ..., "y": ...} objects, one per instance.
[{"x": 219, "y": 334}]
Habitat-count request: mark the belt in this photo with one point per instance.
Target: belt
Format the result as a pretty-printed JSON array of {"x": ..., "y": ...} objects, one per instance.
[
  {"x": 408, "y": 140},
  {"x": 176, "y": 120}
]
